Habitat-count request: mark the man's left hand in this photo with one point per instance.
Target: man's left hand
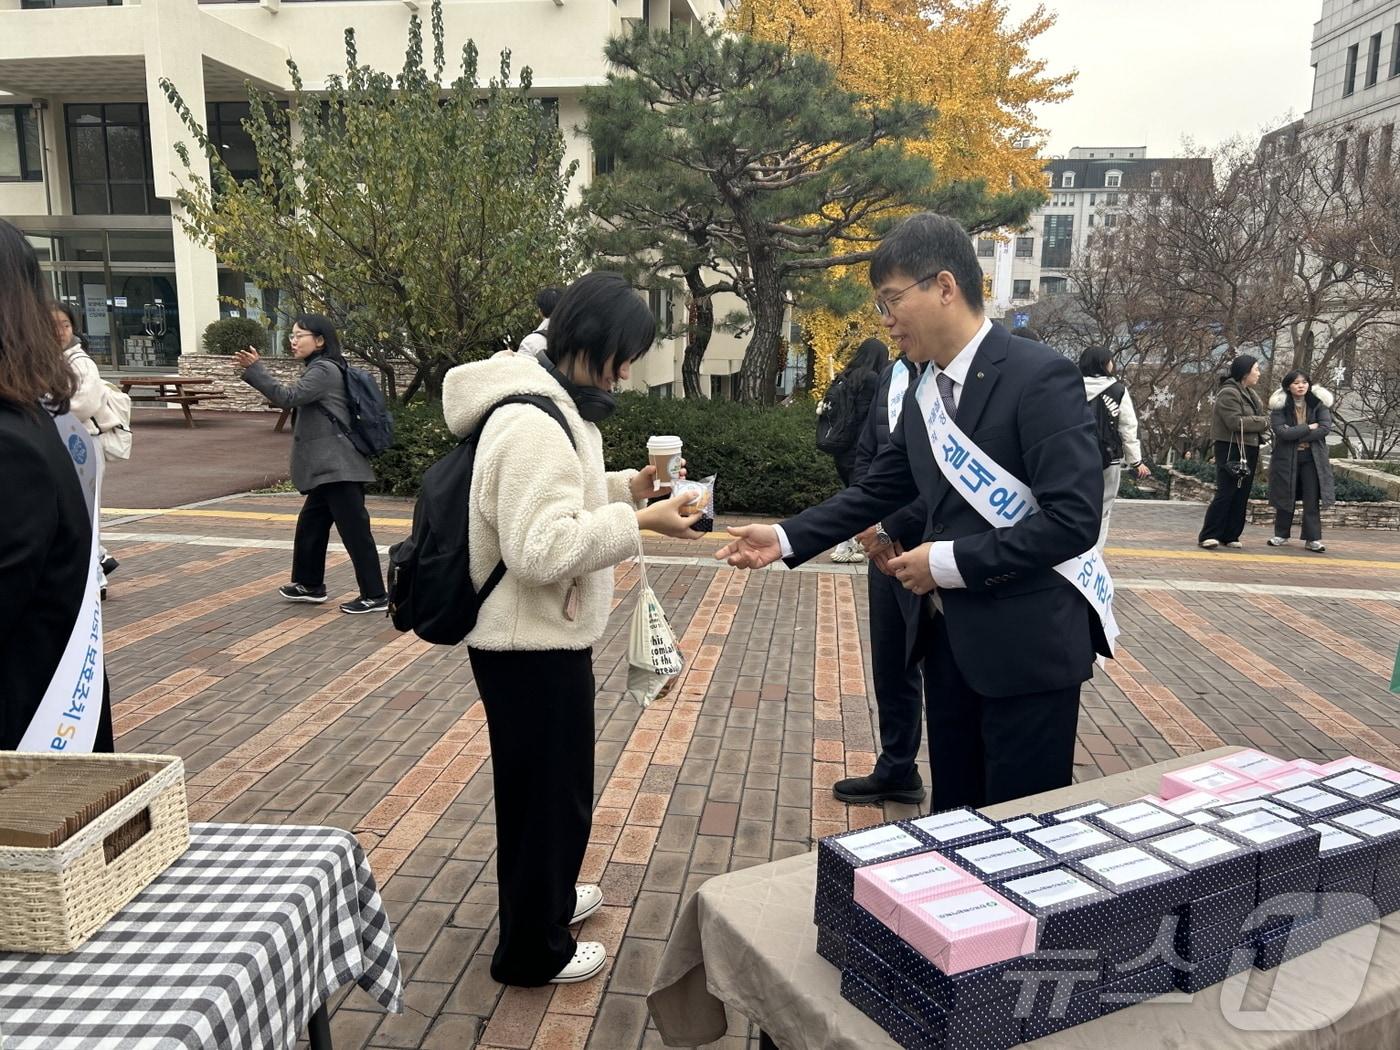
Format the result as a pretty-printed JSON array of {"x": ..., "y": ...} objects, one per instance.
[{"x": 912, "y": 569}]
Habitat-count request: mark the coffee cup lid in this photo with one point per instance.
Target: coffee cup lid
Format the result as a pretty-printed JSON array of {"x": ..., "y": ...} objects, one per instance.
[{"x": 663, "y": 440}]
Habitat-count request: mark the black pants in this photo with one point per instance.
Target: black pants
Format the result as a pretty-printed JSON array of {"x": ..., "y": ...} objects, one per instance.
[
  {"x": 989, "y": 749},
  {"x": 1305, "y": 488},
  {"x": 341, "y": 502},
  {"x": 898, "y": 689},
  {"x": 539, "y": 713},
  {"x": 1227, "y": 511}
]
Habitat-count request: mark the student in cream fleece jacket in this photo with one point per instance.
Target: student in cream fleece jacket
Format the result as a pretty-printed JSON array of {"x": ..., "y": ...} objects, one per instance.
[{"x": 559, "y": 521}]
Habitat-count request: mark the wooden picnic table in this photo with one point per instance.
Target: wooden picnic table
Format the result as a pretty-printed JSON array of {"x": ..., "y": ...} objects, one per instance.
[{"x": 181, "y": 390}]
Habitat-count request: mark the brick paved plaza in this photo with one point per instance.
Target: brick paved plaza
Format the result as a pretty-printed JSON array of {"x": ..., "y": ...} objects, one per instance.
[{"x": 298, "y": 714}]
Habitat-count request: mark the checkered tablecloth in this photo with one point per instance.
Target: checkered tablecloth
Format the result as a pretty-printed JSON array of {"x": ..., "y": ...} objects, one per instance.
[{"x": 233, "y": 947}]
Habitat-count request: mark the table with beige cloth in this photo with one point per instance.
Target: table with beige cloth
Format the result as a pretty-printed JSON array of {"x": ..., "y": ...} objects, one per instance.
[{"x": 747, "y": 940}]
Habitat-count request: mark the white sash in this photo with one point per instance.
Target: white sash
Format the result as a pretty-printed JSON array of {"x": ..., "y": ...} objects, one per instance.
[
  {"x": 899, "y": 386},
  {"x": 68, "y": 714},
  {"x": 1003, "y": 499}
]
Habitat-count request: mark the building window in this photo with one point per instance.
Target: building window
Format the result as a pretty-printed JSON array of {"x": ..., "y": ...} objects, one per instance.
[
  {"x": 1363, "y": 155},
  {"x": 32, "y": 5},
  {"x": 224, "y": 121},
  {"x": 109, "y": 160},
  {"x": 1395, "y": 51},
  {"x": 603, "y": 164},
  {"x": 1111, "y": 200},
  {"x": 1057, "y": 241},
  {"x": 1021, "y": 289},
  {"x": 986, "y": 247},
  {"x": 1373, "y": 61},
  {"x": 1155, "y": 181},
  {"x": 1113, "y": 179},
  {"x": 20, "y": 159},
  {"x": 1110, "y": 219},
  {"x": 1349, "y": 83},
  {"x": 1386, "y": 146},
  {"x": 1025, "y": 247},
  {"x": 1339, "y": 165},
  {"x": 1054, "y": 285},
  {"x": 1093, "y": 199},
  {"x": 1091, "y": 218},
  {"x": 1067, "y": 180},
  {"x": 1049, "y": 180},
  {"x": 666, "y": 391}
]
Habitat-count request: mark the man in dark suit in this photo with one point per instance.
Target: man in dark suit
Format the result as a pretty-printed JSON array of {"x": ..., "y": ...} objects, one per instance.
[
  {"x": 1006, "y": 641},
  {"x": 898, "y": 680}
]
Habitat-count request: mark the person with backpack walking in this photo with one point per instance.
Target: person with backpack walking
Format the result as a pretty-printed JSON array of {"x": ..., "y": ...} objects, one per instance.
[
  {"x": 1115, "y": 422},
  {"x": 1236, "y": 424},
  {"x": 327, "y": 466},
  {"x": 547, "y": 523},
  {"x": 1299, "y": 467},
  {"x": 841, "y": 416}
]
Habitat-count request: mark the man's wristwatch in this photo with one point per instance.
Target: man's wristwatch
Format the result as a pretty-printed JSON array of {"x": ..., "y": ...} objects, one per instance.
[{"x": 881, "y": 536}]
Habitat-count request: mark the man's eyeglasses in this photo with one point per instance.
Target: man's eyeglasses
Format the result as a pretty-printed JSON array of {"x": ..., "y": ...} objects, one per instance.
[{"x": 882, "y": 306}]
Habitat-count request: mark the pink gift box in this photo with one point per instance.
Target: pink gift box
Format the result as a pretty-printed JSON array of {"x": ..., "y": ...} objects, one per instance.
[
  {"x": 882, "y": 889},
  {"x": 1190, "y": 802},
  {"x": 962, "y": 931},
  {"x": 1206, "y": 777},
  {"x": 1254, "y": 764},
  {"x": 1297, "y": 773},
  {"x": 1341, "y": 765},
  {"x": 1256, "y": 789}
]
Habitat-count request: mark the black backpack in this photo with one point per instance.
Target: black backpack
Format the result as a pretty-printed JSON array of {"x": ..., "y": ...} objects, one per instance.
[
  {"x": 1106, "y": 408},
  {"x": 430, "y": 583},
  {"x": 838, "y": 421},
  {"x": 371, "y": 428}
]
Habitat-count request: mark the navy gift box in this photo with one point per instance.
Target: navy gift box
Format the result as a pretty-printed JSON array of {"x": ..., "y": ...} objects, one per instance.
[
  {"x": 1070, "y": 911},
  {"x": 1213, "y": 863},
  {"x": 1281, "y": 844},
  {"x": 838, "y": 857},
  {"x": 1079, "y": 1009},
  {"x": 1137, "y": 821},
  {"x": 1382, "y": 828},
  {"x": 831, "y": 946},
  {"x": 1001, "y": 858},
  {"x": 1136, "y": 988},
  {"x": 1314, "y": 801},
  {"x": 953, "y": 827},
  {"x": 1362, "y": 786},
  {"x": 1025, "y": 822},
  {"x": 1343, "y": 856},
  {"x": 1230, "y": 905},
  {"x": 1249, "y": 805},
  {"x": 1083, "y": 809},
  {"x": 1198, "y": 943},
  {"x": 1070, "y": 839},
  {"x": 1215, "y": 969},
  {"x": 1147, "y": 886}
]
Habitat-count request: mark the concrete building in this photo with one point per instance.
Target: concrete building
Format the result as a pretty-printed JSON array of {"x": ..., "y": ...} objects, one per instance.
[
  {"x": 1356, "y": 64},
  {"x": 87, "y": 139},
  {"x": 1088, "y": 191}
]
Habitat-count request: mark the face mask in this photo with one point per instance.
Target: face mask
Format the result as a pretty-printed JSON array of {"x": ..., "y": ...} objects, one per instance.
[{"x": 593, "y": 404}]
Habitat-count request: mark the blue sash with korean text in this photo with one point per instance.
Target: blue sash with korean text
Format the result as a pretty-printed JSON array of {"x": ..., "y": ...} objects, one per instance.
[
  {"x": 1003, "y": 499},
  {"x": 899, "y": 387},
  {"x": 66, "y": 719}
]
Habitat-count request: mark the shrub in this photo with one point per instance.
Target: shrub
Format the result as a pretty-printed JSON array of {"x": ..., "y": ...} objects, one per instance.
[
  {"x": 228, "y": 335},
  {"x": 766, "y": 458},
  {"x": 1349, "y": 490}
]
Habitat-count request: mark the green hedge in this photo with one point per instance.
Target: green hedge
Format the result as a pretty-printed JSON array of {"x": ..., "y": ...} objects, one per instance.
[
  {"x": 228, "y": 335},
  {"x": 1349, "y": 490},
  {"x": 765, "y": 458}
]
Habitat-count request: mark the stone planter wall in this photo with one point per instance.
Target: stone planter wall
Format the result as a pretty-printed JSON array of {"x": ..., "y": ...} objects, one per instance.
[
  {"x": 1338, "y": 516},
  {"x": 238, "y": 395},
  {"x": 1360, "y": 470}
]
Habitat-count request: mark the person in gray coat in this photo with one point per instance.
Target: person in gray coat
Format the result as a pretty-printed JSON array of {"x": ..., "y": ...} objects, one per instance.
[
  {"x": 326, "y": 466},
  {"x": 1236, "y": 424},
  {"x": 1299, "y": 469}
]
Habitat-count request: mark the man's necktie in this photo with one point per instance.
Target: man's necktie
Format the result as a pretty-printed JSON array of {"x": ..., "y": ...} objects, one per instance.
[{"x": 945, "y": 391}]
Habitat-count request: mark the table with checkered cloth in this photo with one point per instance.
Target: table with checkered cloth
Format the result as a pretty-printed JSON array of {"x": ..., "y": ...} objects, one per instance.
[{"x": 233, "y": 947}]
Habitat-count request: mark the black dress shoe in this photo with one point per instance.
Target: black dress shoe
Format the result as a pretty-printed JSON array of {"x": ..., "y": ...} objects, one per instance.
[{"x": 858, "y": 790}]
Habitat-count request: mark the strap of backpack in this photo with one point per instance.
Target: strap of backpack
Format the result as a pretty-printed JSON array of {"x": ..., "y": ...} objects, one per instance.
[
  {"x": 345, "y": 383},
  {"x": 548, "y": 406}
]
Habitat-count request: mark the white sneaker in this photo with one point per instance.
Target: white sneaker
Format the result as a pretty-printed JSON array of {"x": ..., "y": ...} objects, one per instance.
[
  {"x": 587, "y": 899},
  {"x": 1235, "y": 544},
  {"x": 588, "y": 961},
  {"x": 1210, "y": 545},
  {"x": 1316, "y": 545},
  {"x": 1277, "y": 541}
]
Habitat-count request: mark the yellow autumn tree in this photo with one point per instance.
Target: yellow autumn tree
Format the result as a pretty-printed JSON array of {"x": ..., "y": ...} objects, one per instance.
[{"x": 967, "y": 58}]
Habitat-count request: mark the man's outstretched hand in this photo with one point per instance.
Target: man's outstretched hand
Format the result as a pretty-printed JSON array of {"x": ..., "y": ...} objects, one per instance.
[{"x": 752, "y": 547}]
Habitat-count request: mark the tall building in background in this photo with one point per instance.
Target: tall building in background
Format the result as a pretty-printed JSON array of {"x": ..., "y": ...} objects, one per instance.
[
  {"x": 1356, "y": 64},
  {"x": 87, "y": 139},
  {"x": 1088, "y": 191}
]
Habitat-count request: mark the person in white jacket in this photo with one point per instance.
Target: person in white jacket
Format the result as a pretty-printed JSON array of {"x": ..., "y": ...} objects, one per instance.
[
  {"x": 1101, "y": 383},
  {"x": 537, "y": 342},
  {"x": 545, "y": 506},
  {"x": 87, "y": 402}
]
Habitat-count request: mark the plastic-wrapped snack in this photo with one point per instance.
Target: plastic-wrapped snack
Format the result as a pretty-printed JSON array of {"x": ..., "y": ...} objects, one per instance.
[{"x": 703, "y": 499}]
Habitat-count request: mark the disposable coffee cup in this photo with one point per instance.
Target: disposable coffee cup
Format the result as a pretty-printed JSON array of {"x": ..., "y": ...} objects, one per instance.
[{"x": 664, "y": 451}]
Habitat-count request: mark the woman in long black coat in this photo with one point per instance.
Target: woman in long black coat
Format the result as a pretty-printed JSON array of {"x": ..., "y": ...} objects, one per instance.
[
  {"x": 1299, "y": 469},
  {"x": 46, "y": 529}
]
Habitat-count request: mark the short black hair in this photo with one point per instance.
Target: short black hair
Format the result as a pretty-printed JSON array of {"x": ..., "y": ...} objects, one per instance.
[
  {"x": 547, "y": 299},
  {"x": 1094, "y": 361},
  {"x": 1025, "y": 331},
  {"x": 1242, "y": 366},
  {"x": 922, "y": 247},
  {"x": 320, "y": 324},
  {"x": 601, "y": 318}
]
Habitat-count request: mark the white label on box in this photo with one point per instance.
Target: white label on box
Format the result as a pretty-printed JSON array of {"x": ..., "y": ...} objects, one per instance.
[
  {"x": 1082, "y": 811},
  {"x": 1126, "y": 865},
  {"x": 1357, "y": 783},
  {"x": 1200, "y": 816},
  {"x": 1333, "y": 838},
  {"x": 1209, "y": 778},
  {"x": 919, "y": 873},
  {"x": 1191, "y": 801},
  {"x": 956, "y": 824},
  {"x": 1252, "y": 763},
  {"x": 1052, "y": 887},
  {"x": 1139, "y": 818},
  {"x": 1295, "y": 777},
  {"x": 1310, "y": 799},
  {"x": 1251, "y": 805},
  {"x": 962, "y": 911},
  {"x": 999, "y": 855},
  {"x": 1370, "y": 822},
  {"x": 1260, "y": 826},
  {"x": 1022, "y": 824},
  {"x": 1195, "y": 847},
  {"x": 1066, "y": 838},
  {"x": 878, "y": 842}
]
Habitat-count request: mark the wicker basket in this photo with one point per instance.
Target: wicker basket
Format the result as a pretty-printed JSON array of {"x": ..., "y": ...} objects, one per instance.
[{"x": 52, "y": 900}]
